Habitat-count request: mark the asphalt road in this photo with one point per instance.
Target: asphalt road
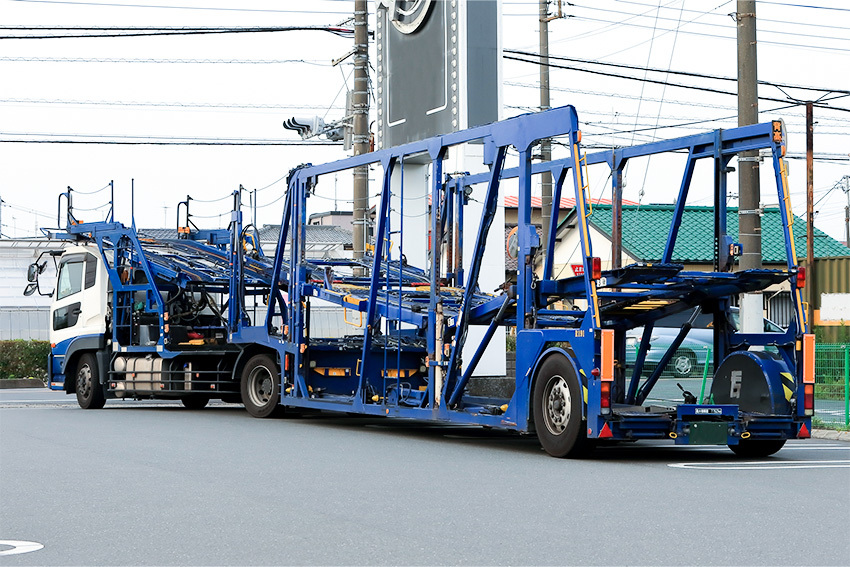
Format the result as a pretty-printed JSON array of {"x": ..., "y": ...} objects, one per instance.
[{"x": 154, "y": 484}]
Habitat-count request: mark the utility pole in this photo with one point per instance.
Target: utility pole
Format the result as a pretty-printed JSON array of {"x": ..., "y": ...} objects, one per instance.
[
  {"x": 810, "y": 207},
  {"x": 360, "y": 107},
  {"x": 749, "y": 189},
  {"x": 546, "y": 208},
  {"x": 847, "y": 210}
]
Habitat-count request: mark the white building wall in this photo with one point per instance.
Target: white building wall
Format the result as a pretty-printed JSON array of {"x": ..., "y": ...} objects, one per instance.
[
  {"x": 24, "y": 317},
  {"x": 568, "y": 252}
]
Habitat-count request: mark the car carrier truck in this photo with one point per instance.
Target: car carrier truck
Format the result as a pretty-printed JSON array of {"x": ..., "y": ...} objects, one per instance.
[{"x": 207, "y": 316}]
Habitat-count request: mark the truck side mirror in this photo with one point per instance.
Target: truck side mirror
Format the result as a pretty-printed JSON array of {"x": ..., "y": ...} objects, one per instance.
[
  {"x": 30, "y": 289},
  {"x": 34, "y": 270}
]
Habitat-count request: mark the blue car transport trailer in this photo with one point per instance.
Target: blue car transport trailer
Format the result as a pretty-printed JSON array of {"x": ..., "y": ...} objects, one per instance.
[{"x": 411, "y": 353}]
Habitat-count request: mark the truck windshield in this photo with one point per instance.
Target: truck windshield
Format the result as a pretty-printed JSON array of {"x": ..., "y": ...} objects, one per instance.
[{"x": 70, "y": 279}]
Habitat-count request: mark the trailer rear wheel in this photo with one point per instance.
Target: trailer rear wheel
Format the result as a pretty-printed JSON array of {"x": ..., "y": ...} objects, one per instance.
[
  {"x": 756, "y": 448},
  {"x": 194, "y": 402},
  {"x": 90, "y": 394},
  {"x": 260, "y": 386},
  {"x": 556, "y": 407}
]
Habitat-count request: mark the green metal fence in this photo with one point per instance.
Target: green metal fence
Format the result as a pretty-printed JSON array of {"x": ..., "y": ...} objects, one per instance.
[
  {"x": 693, "y": 368},
  {"x": 832, "y": 383}
]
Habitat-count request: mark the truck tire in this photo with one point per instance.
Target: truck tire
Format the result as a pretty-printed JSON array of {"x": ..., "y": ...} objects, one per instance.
[
  {"x": 194, "y": 402},
  {"x": 557, "y": 409},
  {"x": 260, "y": 385},
  {"x": 90, "y": 393},
  {"x": 757, "y": 448}
]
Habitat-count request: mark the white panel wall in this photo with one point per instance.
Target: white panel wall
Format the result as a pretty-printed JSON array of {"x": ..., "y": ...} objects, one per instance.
[{"x": 23, "y": 317}]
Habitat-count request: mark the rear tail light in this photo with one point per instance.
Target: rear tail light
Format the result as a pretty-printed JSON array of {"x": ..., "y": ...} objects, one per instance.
[
  {"x": 801, "y": 277},
  {"x": 606, "y": 395},
  {"x": 596, "y": 268},
  {"x": 809, "y": 399}
]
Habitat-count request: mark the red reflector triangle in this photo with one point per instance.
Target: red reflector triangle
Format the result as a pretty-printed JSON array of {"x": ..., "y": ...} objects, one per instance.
[
  {"x": 803, "y": 434},
  {"x": 605, "y": 433}
]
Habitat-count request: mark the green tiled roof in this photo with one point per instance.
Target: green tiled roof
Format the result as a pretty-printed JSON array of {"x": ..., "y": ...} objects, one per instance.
[{"x": 645, "y": 231}]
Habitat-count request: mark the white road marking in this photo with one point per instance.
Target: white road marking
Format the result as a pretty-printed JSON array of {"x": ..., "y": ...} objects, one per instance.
[
  {"x": 762, "y": 465},
  {"x": 19, "y": 547}
]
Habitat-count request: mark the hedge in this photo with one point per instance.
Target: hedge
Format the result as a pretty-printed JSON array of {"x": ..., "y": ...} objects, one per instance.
[{"x": 23, "y": 359}]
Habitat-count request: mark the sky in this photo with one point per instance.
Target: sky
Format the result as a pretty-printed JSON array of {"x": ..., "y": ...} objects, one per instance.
[{"x": 238, "y": 88}]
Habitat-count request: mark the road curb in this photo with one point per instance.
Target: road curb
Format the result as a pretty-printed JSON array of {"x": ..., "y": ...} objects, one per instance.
[
  {"x": 21, "y": 383},
  {"x": 831, "y": 434}
]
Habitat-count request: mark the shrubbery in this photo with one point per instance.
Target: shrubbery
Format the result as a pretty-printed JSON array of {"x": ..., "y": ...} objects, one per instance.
[{"x": 23, "y": 359}]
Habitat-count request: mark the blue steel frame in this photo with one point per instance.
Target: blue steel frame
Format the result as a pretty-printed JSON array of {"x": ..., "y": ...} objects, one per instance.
[
  {"x": 540, "y": 331},
  {"x": 168, "y": 264},
  {"x": 447, "y": 197}
]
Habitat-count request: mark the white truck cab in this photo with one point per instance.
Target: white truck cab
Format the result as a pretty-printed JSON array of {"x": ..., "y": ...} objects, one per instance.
[
  {"x": 79, "y": 305},
  {"x": 78, "y": 361}
]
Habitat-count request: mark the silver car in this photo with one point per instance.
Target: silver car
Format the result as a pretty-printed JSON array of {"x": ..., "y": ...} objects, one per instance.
[{"x": 693, "y": 354}]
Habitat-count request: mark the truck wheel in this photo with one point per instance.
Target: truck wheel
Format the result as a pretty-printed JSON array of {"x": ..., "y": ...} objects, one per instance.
[
  {"x": 756, "y": 448},
  {"x": 684, "y": 364},
  {"x": 90, "y": 394},
  {"x": 260, "y": 386},
  {"x": 194, "y": 402},
  {"x": 556, "y": 408}
]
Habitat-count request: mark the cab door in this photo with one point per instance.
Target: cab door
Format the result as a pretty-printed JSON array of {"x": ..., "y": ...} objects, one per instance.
[{"x": 79, "y": 303}]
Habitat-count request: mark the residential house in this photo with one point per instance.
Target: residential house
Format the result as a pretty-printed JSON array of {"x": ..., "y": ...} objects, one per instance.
[{"x": 645, "y": 230}]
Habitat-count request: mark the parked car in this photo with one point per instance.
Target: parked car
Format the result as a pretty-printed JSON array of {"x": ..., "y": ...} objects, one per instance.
[{"x": 693, "y": 354}]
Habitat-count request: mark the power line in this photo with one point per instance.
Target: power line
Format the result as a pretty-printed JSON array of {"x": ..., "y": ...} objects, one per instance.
[
  {"x": 117, "y": 5},
  {"x": 346, "y": 32},
  {"x": 316, "y": 62},
  {"x": 692, "y": 87},
  {"x": 819, "y": 25},
  {"x": 780, "y": 43},
  {"x": 804, "y": 6},
  {"x": 164, "y": 104},
  {"x": 155, "y": 137},
  {"x": 26, "y": 210},
  {"x": 626, "y": 96},
  {"x": 169, "y": 143},
  {"x": 672, "y": 72},
  {"x": 761, "y": 30}
]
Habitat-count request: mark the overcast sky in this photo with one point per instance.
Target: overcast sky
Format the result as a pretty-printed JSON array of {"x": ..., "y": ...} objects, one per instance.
[{"x": 240, "y": 87}]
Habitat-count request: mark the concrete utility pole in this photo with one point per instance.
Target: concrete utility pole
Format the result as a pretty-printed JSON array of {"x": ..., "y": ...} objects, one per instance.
[
  {"x": 546, "y": 208},
  {"x": 360, "y": 106},
  {"x": 749, "y": 189},
  {"x": 810, "y": 206},
  {"x": 846, "y": 180}
]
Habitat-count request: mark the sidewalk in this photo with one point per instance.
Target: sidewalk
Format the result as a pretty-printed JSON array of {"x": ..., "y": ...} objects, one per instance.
[{"x": 831, "y": 434}]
